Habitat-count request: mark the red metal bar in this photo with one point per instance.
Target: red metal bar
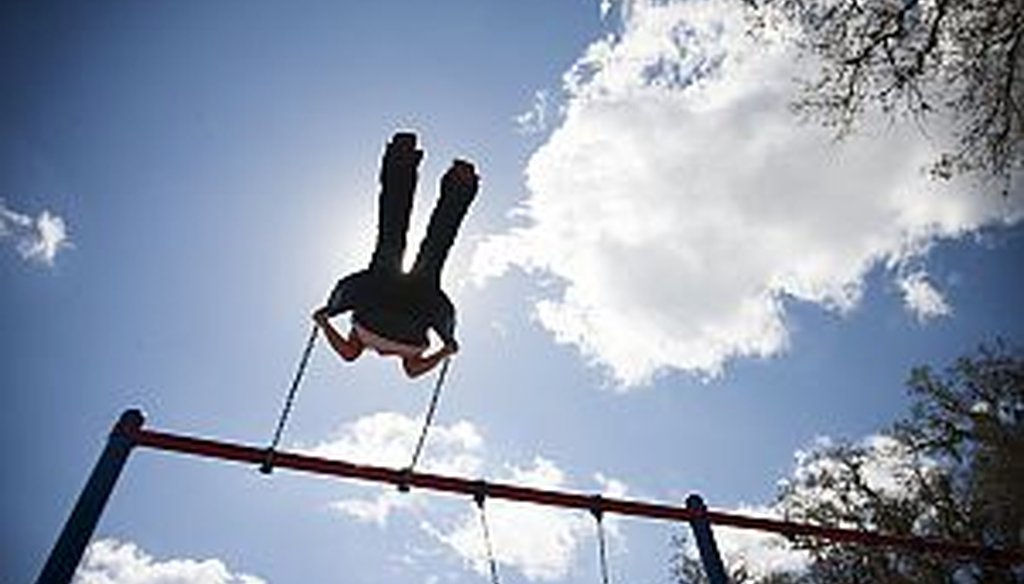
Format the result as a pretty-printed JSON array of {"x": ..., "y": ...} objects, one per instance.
[{"x": 402, "y": 478}]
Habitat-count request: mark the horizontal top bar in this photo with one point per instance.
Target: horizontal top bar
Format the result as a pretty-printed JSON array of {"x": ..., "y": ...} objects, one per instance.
[{"x": 478, "y": 488}]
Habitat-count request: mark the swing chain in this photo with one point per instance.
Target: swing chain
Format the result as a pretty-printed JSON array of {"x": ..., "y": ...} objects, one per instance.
[
  {"x": 268, "y": 462},
  {"x": 403, "y": 485},
  {"x": 597, "y": 510},
  {"x": 480, "y": 491}
]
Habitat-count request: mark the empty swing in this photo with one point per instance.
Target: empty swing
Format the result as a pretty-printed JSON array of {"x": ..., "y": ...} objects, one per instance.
[{"x": 480, "y": 493}]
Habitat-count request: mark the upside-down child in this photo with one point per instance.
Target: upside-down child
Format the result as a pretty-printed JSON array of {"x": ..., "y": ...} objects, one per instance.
[{"x": 392, "y": 310}]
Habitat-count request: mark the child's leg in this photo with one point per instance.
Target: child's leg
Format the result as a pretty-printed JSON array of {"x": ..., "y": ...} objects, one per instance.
[
  {"x": 458, "y": 189},
  {"x": 398, "y": 177}
]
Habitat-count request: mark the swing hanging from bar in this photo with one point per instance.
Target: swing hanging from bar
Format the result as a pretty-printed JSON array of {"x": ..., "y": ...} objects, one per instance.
[{"x": 129, "y": 433}]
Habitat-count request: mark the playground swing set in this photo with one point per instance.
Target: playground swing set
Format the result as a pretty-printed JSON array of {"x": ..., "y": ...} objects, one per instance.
[{"x": 129, "y": 432}]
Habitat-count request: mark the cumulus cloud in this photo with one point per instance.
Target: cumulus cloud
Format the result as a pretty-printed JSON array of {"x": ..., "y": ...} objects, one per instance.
[
  {"x": 535, "y": 120},
  {"x": 679, "y": 206},
  {"x": 922, "y": 299},
  {"x": 37, "y": 239},
  {"x": 109, "y": 561},
  {"x": 541, "y": 542},
  {"x": 388, "y": 439}
]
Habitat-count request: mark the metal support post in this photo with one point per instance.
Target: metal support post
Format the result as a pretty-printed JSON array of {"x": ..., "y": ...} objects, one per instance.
[
  {"x": 67, "y": 552},
  {"x": 706, "y": 545}
]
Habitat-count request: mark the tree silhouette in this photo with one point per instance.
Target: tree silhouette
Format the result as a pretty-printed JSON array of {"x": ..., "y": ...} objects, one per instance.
[
  {"x": 959, "y": 62},
  {"x": 952, "y": 469}
]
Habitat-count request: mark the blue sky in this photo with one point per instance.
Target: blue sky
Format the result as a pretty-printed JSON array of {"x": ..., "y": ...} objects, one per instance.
[{"x": 666, "y": 285}]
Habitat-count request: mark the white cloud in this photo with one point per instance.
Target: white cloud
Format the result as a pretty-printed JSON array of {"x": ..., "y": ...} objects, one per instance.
[
  {"x": 387, "y": 439},
  {"x": 108, "y": 561},
  {"x": 981, "y": 408},
  {"x": 679, "y": 205},
  {"x": 535, "y": 120},
  {"x": 375, "y": 510},
  {"x": 922, "y": 299},
  {"x": 36, "y": 239}
]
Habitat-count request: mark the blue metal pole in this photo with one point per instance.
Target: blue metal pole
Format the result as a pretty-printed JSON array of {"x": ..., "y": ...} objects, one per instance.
[
  {"x": 67, "y": 552},
  {"x": 706, "y": 545}
]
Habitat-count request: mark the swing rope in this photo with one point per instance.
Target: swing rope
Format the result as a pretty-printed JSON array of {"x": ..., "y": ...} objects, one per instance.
[
  {"x": 268, "y": 462},
  {"x": 479, "y": 497},
  {"x": 597, "y": 510},
  {"x": 427, "y": 421}
]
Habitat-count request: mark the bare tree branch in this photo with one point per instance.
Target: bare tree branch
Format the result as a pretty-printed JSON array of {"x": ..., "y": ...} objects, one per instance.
[{"x": 952, "y": 62}]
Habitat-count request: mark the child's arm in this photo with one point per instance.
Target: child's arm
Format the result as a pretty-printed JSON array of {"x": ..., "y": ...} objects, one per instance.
[
  {"x": 418, "y": 365},
  {"x": 348, "y": 349}
]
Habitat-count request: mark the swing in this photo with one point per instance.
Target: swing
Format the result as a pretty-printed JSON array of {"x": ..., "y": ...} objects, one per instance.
[
  {"x": 129, "y": 433},
  {"x": 267, "y": 465},
  {"x": 480, "y": 492}
]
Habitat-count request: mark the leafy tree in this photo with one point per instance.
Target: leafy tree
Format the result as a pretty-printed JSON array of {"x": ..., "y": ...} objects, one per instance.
[
  {"x": 961, "y": 59},
  {"x": 972, "y": 421},
  {"x": 686, "y": 568},
  {"x": 952, "y": 469}
]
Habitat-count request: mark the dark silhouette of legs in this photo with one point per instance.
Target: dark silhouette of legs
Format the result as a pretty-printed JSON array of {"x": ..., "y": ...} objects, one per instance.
[
  {"x": 458, "y": 189},
  {"x": 398, "y": 177}
]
